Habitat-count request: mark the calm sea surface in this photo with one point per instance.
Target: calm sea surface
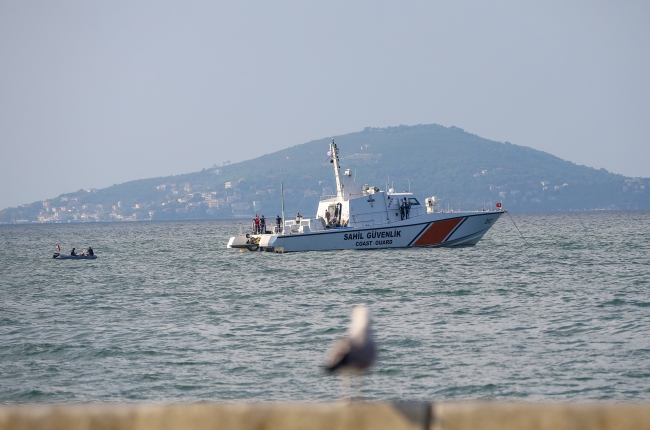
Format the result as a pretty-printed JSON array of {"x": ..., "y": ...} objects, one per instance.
[{"x": 168, "y": 314}]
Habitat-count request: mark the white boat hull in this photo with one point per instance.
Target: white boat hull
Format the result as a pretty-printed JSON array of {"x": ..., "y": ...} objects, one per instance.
[{"x": 429, "y": 230}]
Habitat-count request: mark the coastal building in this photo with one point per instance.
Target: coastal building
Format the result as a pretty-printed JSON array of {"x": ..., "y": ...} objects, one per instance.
[{"x": 241, "y": 209}]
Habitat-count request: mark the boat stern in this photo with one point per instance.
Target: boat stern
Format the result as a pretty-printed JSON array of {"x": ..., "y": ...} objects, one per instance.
[
  {"x": 249, "y": 242},
  {"x": 244, "y": 242}
]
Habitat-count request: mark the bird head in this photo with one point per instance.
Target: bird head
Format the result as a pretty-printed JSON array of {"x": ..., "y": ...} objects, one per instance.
[{"x": 360, "y": 321}]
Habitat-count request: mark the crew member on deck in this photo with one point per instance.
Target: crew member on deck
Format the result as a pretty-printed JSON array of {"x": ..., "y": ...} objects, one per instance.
[
  {"x": 327, "y": 216},
  {"x": 278, "y": 223},
  {"x": 73, "y": 252},
  {"x": 298, "y": 217},
  {"x": 257, "y": 224},
  {"x": 407, "y": 208},
  {"x": 263, "y": 225},
  {"x": 402, "y": 209}
]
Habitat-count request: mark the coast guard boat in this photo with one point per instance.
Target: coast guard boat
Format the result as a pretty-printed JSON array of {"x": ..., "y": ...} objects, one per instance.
[{"x": 365, "y": 217}]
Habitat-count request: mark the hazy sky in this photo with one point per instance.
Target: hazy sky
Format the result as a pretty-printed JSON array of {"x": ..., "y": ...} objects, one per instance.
[{"x": 93, "y": 93}]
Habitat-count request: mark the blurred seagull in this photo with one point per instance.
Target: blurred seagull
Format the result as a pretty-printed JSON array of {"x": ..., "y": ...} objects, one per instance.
[{"x": 356, "y": 352}]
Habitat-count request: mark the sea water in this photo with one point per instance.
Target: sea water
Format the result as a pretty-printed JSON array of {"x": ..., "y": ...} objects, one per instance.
[{"x": 167, "y": 314}]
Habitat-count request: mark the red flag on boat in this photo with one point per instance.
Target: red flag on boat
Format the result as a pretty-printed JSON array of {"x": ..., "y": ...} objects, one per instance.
[{"x": 499, "y": 204}]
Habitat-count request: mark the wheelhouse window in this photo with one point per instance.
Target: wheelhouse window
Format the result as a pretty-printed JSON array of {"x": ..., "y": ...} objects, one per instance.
[{"x": 413, "y": 201}]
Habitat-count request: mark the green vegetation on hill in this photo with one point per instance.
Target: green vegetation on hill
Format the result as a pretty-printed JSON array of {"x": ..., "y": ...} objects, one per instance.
[{"x": 459, "y": 168}]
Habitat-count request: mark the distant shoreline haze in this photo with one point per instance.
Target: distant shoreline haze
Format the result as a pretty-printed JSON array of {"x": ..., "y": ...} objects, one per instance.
[{"x": 461, "y": 169}]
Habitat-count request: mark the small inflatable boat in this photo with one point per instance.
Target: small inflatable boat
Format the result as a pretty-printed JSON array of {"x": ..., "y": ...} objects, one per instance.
[{"x": 73, "y": 257}]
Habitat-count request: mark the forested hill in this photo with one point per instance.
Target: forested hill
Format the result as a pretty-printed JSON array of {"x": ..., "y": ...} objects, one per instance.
[{"x": 459, "y": 168}]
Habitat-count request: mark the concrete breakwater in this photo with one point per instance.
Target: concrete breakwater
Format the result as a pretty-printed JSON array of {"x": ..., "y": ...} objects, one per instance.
[{"x": 357, "y": 416}]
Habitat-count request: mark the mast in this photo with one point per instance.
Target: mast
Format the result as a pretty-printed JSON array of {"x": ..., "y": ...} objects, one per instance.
[
  {"x": 334, "y": 151},
  {"x": 282, "y": 192}
]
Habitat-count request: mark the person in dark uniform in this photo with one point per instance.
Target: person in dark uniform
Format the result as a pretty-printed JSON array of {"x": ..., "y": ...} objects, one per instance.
[
  {"x": 73, "y": 252},
  {"x": 263, "y": 225},
  {"x": 278, "y": 223},
  {"x": 401, "y": 209},
  {"x": 407, "y": 208},
  {"x": 90, "y": 251}
]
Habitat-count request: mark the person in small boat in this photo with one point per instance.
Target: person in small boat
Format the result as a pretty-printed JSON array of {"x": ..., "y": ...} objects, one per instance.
[
  {"x": 73, "y": 252},
  {"x": 263, "y": 225},
  {"x": 90, "y": 251},
  {"x": 278, "y": 223}
]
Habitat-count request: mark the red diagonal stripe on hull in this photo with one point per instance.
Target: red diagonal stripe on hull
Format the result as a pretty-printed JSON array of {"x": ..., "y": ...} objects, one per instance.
[{"x": 437, "y": 232}]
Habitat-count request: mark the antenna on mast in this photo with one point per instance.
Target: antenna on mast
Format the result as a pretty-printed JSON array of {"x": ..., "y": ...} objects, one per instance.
[{"x": 334, "y": 151}]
